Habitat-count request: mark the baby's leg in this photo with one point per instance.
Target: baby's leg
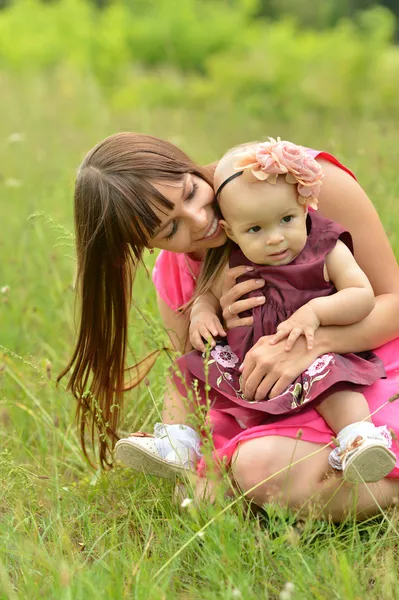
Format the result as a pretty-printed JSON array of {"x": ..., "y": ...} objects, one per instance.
[
  {"x": 344, "y": 408},
  {"x": 362, "y": 451}
]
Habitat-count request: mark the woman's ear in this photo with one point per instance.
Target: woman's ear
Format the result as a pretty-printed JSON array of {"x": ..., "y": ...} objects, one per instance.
[{"x": 227, "y": 229}]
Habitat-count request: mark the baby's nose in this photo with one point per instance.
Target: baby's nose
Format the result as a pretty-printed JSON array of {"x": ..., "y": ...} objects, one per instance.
[{"x": 274, "y": 239}]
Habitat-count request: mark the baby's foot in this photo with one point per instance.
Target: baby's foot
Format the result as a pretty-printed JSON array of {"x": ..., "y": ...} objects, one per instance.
[
  {"x": 363, "y": 453},
  {"x": 172, "y": 450}
]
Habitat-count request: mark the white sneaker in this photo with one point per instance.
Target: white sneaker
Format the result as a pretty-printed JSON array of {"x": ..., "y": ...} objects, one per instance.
[
  {"x": 363, "y": 454},
  {"x": 173, "y": 451}
]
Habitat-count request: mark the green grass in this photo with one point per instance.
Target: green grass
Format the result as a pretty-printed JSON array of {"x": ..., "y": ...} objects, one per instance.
[{"x": 68, "y": 532}]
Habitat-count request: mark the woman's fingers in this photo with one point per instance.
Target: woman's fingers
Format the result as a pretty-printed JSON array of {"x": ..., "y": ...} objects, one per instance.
[
  {"x": 237, "y": 322},
  {"x": 239, "y": 290},
  {"x": 231, "y": 277},
  {"x": 240, "y": 306},
  {"x": 252, "y": 374},
  {"x": 257, "y": 385},
  {"x": 281, "y": 384},
  {"x": 271, "y": 385},
  {"x": 265, "y": 386},
  {"x": 232, "y": 292}
]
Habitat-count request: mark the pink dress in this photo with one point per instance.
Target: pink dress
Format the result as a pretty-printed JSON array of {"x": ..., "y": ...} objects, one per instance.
[{"x": 232, "y": 419}]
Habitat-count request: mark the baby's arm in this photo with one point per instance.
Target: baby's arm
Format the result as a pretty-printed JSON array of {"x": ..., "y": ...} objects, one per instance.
[
  {"x": 354, "y": 299},
  {"x": 204, "y": 318},
  {"x": 352, "y": 302}
]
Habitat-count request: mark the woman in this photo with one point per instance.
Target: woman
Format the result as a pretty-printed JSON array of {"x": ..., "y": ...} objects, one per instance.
[{"x": 135, "y": 191}]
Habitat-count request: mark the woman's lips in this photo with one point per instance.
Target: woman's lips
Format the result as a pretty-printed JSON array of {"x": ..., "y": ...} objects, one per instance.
[{"x": 213, "y": 229}]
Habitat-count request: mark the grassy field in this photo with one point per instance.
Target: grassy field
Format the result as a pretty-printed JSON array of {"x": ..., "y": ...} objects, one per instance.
[{"x": 68, "y": 532}]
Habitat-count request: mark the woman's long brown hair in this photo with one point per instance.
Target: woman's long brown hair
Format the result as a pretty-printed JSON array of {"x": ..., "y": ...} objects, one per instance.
[{"x": 114, "y": 217}]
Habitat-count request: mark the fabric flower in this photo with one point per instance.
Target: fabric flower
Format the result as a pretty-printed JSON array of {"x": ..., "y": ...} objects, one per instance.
[
  {"x": 309, "y": 180},
  {"x": 286, "y": 154},
  {"x": 275, "y": 157},
  {"x": 224, "y": 356},
  {"x": 319, "y": 365}
]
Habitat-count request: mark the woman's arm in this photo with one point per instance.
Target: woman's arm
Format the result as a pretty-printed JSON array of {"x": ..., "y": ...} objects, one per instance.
[
  {"x": 265, "y": 367},
  {"x": 176, "y": 325},
  {"x": 343, "y": 200}
]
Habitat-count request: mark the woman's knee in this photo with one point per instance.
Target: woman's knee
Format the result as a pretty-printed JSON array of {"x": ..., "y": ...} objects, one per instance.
[
  {"x": 279, "y": 469},
  {"x": 256, "y": 464}
]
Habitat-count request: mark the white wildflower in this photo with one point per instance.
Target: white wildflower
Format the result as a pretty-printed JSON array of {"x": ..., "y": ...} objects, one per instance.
[
  {"x": 5, "y": 289},
  {"x": 289, "y": 586},
  {"x": 286, "y": 593},
  {"x": 186, "y": 502},
  {"x": 14, "y": 183},
  {"x": 15, "y": 138}
]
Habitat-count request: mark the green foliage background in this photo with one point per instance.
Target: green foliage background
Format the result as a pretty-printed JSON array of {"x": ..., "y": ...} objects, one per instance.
[
  {"x": 211, "y": 52},
  {"x": 206, "y": 75}
]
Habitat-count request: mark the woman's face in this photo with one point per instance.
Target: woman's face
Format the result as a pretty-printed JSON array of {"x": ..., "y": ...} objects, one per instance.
[{"x": 192, "y": 225}]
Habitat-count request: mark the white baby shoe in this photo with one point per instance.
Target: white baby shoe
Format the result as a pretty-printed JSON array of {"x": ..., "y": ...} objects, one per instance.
[
  {"x": 363, "y": 453},
  {"x": 172, "y": 451}
]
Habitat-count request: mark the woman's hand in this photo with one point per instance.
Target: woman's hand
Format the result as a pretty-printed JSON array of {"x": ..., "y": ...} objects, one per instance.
[
  {"x": 267, "y": 370},
  {"x": 232, "y": 291}
]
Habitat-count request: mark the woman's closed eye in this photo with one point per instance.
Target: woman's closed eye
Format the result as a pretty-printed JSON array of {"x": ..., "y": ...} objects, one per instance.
[
  {"x": 193, "y": 191},
  {"x": 173, "y": 231},
  {"x": 174, "y": 228}
]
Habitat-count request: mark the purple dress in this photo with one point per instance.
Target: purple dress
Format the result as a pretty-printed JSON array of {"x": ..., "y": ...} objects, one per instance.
[{"x": 287, "y": 288}]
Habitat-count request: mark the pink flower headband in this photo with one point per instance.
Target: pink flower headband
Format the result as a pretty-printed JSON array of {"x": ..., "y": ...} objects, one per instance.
[{"x": 273, "y": 158}]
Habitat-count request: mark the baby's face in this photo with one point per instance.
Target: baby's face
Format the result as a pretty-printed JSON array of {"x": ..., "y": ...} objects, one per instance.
[{"x": 265, "y": 220}]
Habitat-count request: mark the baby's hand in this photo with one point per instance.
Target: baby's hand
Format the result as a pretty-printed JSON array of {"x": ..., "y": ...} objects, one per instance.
[
  {"x": 205, "y": 326},
  {"x": 303, "y": 322}
]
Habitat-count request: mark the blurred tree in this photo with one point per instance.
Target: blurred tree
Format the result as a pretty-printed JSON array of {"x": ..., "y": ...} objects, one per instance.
[{"x": 321, "y": 14}]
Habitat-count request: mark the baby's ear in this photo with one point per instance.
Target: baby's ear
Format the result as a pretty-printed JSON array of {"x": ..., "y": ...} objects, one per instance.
[{"x": 227, "y": 229}]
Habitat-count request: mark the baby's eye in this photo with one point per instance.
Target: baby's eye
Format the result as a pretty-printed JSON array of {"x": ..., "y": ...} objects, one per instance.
[
  {"x": 287, "y": 219},
  {"x": 254, "y": 229}
]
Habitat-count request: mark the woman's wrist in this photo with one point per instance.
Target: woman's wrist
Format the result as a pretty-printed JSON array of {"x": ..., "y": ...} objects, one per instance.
[
  {"x": 322, "y": 340},
  {"x": 379, "y": 327}
]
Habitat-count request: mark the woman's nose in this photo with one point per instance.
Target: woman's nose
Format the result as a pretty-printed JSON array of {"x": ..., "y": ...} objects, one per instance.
[{"x": 198, "y": 217}]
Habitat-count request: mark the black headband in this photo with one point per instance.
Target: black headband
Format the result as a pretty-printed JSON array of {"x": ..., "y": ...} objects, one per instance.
[{"x": 221, "y": 186}]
